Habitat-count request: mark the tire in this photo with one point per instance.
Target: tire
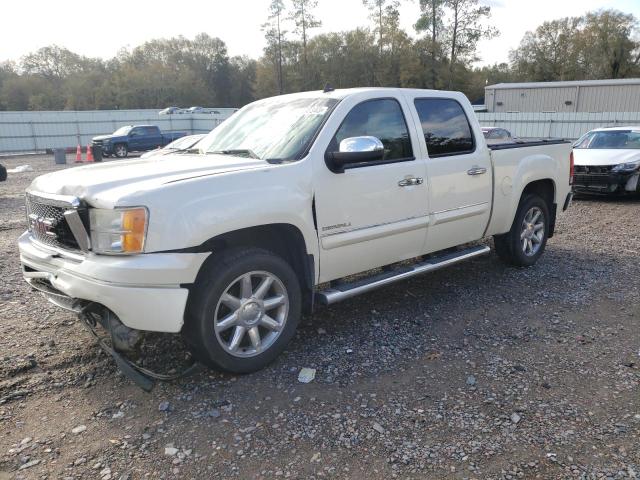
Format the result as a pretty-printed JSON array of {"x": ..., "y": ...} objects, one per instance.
[
  {"x": 523, "y": 245},
  {"x": 120, "y": 150},
  {"x": 246, "y": 316},
  {"x": 3, "y": 173}
]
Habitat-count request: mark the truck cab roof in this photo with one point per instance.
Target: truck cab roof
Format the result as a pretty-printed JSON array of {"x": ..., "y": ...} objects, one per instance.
[{"x": 342, "y": 93}]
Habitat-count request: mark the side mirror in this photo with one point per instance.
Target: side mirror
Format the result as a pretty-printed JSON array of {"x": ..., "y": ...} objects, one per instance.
[{"x": 355, "y": 150}]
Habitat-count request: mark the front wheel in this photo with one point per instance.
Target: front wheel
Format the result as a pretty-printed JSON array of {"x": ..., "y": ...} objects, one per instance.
[
  {"x": 244, "y": 310},
  {"x": 523, "y": 245},
  {"x": 121, "y": 150}
]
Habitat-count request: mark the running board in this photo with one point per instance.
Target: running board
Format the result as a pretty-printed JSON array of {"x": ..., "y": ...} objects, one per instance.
[{"x": 343, "y": 291}]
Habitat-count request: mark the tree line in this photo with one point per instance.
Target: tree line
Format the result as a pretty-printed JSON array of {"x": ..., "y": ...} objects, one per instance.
[{"x": 439, "y": 53}]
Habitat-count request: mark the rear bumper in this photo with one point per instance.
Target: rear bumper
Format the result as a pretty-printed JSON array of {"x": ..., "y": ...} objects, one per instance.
[
  {"x": 606, "y": 183},
  {"x": 144, "y": 291}
]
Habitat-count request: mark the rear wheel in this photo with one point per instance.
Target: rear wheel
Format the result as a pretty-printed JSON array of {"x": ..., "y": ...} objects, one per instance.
[
  {"x": 524, "y": 244},
  {"x": 244, "y": 310}
]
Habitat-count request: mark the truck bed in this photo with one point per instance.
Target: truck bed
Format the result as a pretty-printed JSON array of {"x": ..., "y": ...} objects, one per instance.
[{"x": 513, "y": 169}]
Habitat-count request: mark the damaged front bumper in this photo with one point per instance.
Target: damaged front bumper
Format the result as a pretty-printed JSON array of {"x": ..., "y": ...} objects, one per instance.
[
  {"x": 144, "y": 291},
  {"x": 605, "y": 182},
  {"x": 125, "y": 295},
  {"x": 124, "y": 339}
]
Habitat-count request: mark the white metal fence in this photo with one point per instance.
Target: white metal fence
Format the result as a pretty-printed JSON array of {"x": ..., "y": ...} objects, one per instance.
[
  {"x": 563, "y": 125},
  {"x": 38, "y": 131}
]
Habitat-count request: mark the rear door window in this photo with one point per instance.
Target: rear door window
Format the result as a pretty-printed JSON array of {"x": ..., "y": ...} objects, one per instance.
[{"x": 445, "y": 126}]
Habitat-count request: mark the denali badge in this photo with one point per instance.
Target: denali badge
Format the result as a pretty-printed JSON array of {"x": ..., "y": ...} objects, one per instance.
[
  {"x": 333, "y": 227},
  {"x": 42, "y": 225}
]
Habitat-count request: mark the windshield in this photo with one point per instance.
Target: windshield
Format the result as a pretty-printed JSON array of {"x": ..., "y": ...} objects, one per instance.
[
  {"x": 614, "y": 139},
  {"x": 273, "y": 129},
  {"x": 123, "y": 130}
]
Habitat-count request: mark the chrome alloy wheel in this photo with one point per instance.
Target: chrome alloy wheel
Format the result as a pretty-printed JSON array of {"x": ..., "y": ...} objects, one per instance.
[
  {"x": 532, "y": 233},
  {"x": 121, "y": 151},
  {"x": 251, "y": 314}
]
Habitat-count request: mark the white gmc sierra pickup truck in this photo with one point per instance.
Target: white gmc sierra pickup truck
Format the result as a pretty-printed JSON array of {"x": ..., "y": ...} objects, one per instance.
[{"x": 278, "y": 207}]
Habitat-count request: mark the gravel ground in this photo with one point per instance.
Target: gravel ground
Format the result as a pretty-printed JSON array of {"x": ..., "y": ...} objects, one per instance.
[{"x": 477, "y": 371}]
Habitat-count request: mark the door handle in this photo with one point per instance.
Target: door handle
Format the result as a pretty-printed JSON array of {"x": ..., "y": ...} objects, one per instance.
[
  {"x": 475, "y": 170},
  {"x": 408, "y": 182}
]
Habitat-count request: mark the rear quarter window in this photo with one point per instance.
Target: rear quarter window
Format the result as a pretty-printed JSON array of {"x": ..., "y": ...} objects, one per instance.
[{"x": 445, "y": 127}]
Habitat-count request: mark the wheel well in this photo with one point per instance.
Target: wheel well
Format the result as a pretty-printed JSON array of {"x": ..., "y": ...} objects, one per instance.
[
  {"x": 547, "y": 191},
  {"x": 282, "y": 239}
]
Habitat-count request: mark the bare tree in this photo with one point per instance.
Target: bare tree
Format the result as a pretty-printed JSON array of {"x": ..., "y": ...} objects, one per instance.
[
  {"x": 432, "y": 20},
  {"x": 385, "y": 15},
  {"x": 304, "y": 20},
  {"x": 466, "y": 29},
  {"x": 378, "y": 11},
  {"x": 275, "y": 37}
]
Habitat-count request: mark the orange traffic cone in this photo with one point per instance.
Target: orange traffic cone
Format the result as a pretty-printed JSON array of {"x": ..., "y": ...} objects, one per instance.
[
  {"x": 89, "y": 154},
  {"x": 79, "y": 154}
]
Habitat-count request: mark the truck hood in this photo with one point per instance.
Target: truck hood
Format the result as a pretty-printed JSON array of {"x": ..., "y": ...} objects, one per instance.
[
  {"x": 109, "y": 184},
  {"x": 109, "y": 137},
  {"x": 602, "y": 157}
]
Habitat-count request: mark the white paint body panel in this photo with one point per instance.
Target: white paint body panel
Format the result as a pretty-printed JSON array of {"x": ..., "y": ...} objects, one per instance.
[
  {"x": 514, "y": 169},
  {"x": 604, "y": 157},
  {"x": 143, "y": 291},
  {"x": 364, "y": 219},
  {"x": 378, "y": 221},
  {"x": 459, "y": 204}
]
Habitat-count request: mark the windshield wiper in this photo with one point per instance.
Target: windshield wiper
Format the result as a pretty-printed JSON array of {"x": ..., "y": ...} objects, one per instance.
[{"x": 240, "y": 152}]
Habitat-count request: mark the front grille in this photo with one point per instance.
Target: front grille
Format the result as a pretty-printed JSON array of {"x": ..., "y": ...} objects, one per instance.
[
  {"x": 591, "y": 179},
  {"x": 597, "y": 169},
  {"x": 46, "y": 222}
]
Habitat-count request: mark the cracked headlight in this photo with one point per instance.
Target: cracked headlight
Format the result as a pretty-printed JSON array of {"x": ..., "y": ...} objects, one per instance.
[
  {"x": 118, "y": 231},
  {"x": 626, "y": 167}
]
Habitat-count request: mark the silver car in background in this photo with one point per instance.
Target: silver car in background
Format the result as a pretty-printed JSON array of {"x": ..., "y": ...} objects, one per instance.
[{"x": 496, "y": 135}]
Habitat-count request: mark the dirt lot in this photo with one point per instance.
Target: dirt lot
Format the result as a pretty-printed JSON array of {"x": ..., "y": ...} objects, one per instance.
[{"x": 478, "y": 371}]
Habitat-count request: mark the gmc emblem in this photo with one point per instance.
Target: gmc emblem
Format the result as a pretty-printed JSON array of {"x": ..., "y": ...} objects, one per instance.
[{"x": 42, "y": 226}]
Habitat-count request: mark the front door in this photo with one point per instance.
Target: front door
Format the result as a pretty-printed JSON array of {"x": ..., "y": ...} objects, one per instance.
[
  {"x": 376, "y": 213},
  {"x": 459, "y": 172},
  {"x": 136, "y": 136}
]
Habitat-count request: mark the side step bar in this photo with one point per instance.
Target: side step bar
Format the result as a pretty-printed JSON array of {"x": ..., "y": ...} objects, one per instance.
[{"x": 347, "y": 290}]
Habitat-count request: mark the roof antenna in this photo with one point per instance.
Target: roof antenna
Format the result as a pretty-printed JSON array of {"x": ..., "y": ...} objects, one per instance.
[{"x": 328, "y": 88}]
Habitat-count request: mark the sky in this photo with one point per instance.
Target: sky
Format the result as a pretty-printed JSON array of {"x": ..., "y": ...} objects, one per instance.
[{"x": 101, "y": 29}]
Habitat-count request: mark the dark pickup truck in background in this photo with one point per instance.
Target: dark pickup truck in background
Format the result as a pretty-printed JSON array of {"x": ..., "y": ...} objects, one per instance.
[{"x": 138, "y": 138}]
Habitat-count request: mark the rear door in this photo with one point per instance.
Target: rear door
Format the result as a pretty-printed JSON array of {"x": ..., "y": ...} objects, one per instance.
[
  {"x": 376, "y": 213},
  {"x": 152, "y": 139},
  {"x": 458, "y": 169}
]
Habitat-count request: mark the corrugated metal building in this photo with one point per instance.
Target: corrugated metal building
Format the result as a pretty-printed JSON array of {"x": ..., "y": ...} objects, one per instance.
[{"x": 621, "y": 95}]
